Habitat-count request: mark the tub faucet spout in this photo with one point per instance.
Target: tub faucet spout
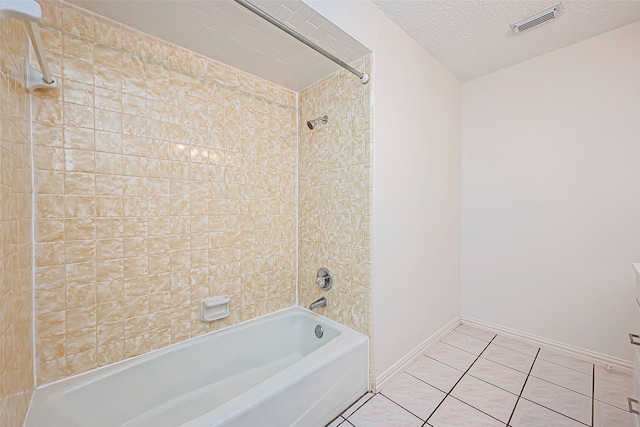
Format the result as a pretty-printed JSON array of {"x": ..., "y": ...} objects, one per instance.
[{"x": 322, "y": 302}]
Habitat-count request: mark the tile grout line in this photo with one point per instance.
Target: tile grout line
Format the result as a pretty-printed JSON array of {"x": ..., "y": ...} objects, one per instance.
[
  {"x": 593, "y": 393},
  {"x": 354, "y": 403},
  {"x": 519, "y": 396},
  {"x": 396, "y": 403},
  {"x": 523, "y": 386},
  {"x": 457, "y": 382},
  {"x": 555, "y": 410},
  {"x": 446, "y": 393}
]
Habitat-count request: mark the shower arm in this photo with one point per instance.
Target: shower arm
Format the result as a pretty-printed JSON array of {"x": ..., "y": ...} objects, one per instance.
[{"x": 364, "y": 77}]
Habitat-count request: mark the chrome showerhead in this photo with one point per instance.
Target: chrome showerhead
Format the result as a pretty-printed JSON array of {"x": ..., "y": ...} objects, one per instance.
[{"x": 312, "y": 123}]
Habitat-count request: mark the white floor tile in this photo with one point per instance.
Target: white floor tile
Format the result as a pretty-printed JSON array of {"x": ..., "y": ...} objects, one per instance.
[
  {"x": 476, "y": 332},
  {"x": 452, "y": 356},
  {"x": 487, "y": 398},
  {"x": 529, "y": 414},
  {"x": 435, "y": 373},
  {"x": 564, "y": 377},
  {"x": 498, "y": 375},
  {"x": 453, "y": 413},
  {"x": 381, "y": 412},
  {"x": 465, "y": 342},
  {"x": 507, "y": 357},
  {"x": 566, "y": 361},
  {"x": 617, "y": 376},
  {"x": 356, "y": 405},
  {"x": 518, "y": 346},
  {"x": 559, "y": 399},
  {"x": 414, "y": 395},
  {"x": 609, "y": 416},
  {"x": 338, "y": 421},
  {"x": 612, "y": 393}
]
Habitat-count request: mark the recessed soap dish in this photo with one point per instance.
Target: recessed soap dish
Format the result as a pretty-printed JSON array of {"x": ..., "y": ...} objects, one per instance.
[{"x": 214, "y": 308}]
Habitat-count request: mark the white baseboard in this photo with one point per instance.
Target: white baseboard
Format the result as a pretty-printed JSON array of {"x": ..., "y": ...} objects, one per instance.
[
  {"x": 558, "y": 347},
  {"x": 387, "y": 376}
]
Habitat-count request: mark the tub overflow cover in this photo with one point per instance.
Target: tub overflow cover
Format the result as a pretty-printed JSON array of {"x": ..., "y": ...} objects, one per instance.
[{"x": 319, "y": 331}]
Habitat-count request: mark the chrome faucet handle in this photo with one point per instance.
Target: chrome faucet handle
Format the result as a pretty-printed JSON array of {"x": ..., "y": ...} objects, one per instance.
[{"x": 324, "y": 279}]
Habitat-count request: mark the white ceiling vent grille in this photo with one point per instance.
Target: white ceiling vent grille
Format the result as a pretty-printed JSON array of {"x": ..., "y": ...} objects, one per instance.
[{"x": 537, "y": 19}]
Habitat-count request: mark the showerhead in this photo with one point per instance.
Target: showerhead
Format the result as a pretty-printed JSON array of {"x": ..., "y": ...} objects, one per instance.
[{"x": 312, "y": 123}]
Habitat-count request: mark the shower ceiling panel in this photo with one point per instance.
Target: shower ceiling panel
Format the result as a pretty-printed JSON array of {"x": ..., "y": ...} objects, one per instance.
[{"x": 226, "y": 32}]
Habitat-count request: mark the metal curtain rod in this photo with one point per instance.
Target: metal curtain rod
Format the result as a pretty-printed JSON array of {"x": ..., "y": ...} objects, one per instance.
[
  {"x": 30, "y": 12},
  {"x": 364, "y": 77}
]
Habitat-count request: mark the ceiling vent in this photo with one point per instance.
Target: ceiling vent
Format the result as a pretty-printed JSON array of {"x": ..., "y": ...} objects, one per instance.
[{"x": 537, "y": 19}]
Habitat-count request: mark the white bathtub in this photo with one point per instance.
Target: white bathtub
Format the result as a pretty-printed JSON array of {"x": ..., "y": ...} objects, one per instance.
[{"x": 270, "y": 371}]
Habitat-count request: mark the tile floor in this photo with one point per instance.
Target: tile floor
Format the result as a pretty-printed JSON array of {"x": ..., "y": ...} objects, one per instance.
[{"x": 476, "y": 378}]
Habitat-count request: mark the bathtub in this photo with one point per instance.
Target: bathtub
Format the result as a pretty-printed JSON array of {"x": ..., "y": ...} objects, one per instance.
[{"x": 267, "y": 372}]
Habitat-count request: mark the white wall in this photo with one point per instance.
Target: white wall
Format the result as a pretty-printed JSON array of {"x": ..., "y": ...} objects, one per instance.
[
  {"x": 551, "y": 200},
  {"x": 416, "y": 212}
]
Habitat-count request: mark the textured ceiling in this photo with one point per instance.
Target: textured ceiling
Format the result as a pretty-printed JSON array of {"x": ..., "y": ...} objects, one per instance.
[
  {"x": 474, "y": 37},
  {"x": 227, "y": 32}
]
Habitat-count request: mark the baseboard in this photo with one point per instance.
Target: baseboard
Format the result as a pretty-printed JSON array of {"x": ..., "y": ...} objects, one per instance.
[
  {"x": 387, "y": 376},
  {"x": 558, "y": 347}
]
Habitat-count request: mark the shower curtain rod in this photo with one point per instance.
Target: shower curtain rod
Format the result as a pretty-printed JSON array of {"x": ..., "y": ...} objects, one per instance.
[
  {"x": 364, "y": 77},
  {"x": 30, "y": 12}
]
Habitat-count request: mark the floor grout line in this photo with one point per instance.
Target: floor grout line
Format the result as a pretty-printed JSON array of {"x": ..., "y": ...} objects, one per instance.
[
  {"x": 593, "y": 393},
  {"x": 520, "y": 396},
  {"x": 460, "y": 379},
  {"x": 393, "y": 401},
  {"x": 523, "y": 386},
  {"x": 557, "y": 412}
]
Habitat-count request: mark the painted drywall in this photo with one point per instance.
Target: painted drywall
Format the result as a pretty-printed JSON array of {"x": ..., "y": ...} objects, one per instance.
[
  {"x": 551, "y": 214},
  {"x": 416, "y": 183}
]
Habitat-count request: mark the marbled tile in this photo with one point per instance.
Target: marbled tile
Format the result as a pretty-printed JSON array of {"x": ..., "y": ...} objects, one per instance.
[
  {"x": 417, "y": 397},
  {"x": 451, "y": 356},
  {"x": 564, "y": 377},
  {"x": 529, "y": 414},
  {"x": 613, "y": 375},
  {"x": 381, "y": 412},
  {"x": 16, "y": 246},
  {"x": 487, "y": 398},
  {"x": 560, "y": 399},
  {"x": 332, "y": 159},
  {"x": 566, "y": 361},
  {"x": 507, "y": 357},
  {"x": 481, "y": 334},
  {"x": 125, "y": 180},
  {"x": 612, "y": 393},
  {"x": 499, "y": 375},
  {"x": 515, "y": 345},
  {"x": 465, "y": 342},
  {"x": 453, "y": 413},
  {"x": 437, "y": 374},
  {"x": 605, "y": 415}
]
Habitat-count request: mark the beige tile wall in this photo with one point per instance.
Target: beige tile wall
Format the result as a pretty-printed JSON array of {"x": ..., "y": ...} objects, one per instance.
[
  {"x": 16, "y": 290},
  {"x": 162, "y": 178},
  {"x": 335, "y": 197}
]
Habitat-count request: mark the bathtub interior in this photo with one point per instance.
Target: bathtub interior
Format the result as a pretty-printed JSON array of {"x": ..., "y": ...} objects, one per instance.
[{"x": 176, "y": 384}]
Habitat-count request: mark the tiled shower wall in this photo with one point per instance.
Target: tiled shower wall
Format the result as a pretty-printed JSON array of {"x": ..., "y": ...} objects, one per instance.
[
  {"x": 16, "y": 290},
  {"x": 162, "y": 178},
  {"x": 335, "y": 197}
]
